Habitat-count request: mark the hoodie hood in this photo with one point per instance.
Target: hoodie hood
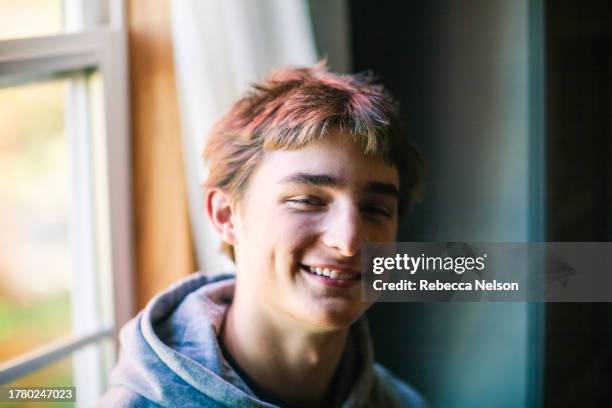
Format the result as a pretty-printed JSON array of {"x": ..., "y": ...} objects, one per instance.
[{"x": 170, "y": 354}]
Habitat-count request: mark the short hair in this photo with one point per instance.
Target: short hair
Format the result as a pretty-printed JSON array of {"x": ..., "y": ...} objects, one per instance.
[{"x": 292, "y": 107}]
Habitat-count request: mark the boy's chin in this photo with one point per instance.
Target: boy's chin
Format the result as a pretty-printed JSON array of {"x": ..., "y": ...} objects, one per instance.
[{"x": 333, "y": 319}]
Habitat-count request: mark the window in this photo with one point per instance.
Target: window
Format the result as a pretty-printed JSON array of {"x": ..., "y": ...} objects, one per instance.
[
  {"x": 30, "y": 18},
  {"x": 65, "y": 237}
]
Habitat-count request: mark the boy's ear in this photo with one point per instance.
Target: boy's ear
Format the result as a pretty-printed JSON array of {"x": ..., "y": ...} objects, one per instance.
[{"x": 220, "y": 213}]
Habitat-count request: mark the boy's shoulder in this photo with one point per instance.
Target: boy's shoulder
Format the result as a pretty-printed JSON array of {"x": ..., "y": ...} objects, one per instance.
[
  {"x": 120, "y": 396},
  {"x": 123, "y": 397},
  {"x": 390, "y": 391}
]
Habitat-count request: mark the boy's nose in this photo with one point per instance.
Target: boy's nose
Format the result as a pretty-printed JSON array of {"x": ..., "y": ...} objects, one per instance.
[{"x": 344, "y": 232}]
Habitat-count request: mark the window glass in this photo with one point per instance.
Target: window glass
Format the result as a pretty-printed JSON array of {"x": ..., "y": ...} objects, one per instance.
[
  {"x": 75, "y": 370},
  {"x": 30, "y": 18},
  {"x": 35, "y": 208}
]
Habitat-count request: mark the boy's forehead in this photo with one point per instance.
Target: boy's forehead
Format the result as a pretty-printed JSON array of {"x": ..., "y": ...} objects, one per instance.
[
  {"x": 332, "y": 158},
  {"x": 331, "y": 143}
]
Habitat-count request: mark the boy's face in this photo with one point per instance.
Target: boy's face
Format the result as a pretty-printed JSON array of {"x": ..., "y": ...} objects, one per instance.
[{"x": 305, "y": 215}]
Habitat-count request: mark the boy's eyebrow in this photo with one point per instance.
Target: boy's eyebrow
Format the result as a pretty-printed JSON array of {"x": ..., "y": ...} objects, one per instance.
[
  {"x": 325, "y": 180},
  {"x": 314, "y": 179}
]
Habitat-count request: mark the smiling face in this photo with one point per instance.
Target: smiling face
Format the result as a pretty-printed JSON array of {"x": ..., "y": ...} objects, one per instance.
[{"x": 299, "y": 229}]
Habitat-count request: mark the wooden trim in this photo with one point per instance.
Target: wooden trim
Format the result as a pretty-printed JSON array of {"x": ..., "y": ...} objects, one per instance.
[{"x": 164, "y": 249}]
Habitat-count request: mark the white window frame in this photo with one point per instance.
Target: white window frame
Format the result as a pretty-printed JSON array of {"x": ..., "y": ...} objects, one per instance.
[{"x": 104, "y": 233}]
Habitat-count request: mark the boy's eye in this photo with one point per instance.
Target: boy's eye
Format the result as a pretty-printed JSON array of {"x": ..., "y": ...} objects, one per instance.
[
  {"x": 307, "y": 202},
  {"x": 376, "y": 211}
]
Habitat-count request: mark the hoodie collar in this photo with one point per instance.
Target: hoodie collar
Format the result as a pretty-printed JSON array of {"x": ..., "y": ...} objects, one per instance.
[{"x": 173, "y": 344}]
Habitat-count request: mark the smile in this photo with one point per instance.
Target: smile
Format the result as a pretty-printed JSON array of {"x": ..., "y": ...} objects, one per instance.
[{"x": 330, "y": 273}]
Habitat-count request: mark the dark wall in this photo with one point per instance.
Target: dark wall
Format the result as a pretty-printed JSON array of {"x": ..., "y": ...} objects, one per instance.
[{"x": 578, "y": 369}]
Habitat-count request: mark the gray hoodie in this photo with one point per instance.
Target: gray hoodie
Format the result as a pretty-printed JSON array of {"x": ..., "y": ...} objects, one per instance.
[{"x": 170, "y": 357}]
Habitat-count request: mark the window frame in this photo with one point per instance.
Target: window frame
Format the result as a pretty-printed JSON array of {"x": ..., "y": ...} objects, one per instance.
[{"x": 101, "y": 44}]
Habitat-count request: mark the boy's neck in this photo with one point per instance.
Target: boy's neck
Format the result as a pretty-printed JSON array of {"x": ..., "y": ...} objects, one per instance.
[{"x": 282, "y": 357}]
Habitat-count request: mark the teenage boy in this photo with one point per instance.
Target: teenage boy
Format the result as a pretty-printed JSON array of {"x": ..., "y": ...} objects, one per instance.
[{"x": 302, "y": 170}]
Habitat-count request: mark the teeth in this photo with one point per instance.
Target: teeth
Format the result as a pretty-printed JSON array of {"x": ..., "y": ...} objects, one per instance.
[{"x": 330, "y": 273}]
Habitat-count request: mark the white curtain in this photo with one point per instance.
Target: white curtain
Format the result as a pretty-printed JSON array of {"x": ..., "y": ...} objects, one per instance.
[{"x": 220, "y": 47}]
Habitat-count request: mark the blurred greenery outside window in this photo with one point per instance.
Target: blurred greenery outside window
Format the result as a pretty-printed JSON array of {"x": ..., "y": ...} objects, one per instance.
[
  {"x": 30, "y": 18},
  {"x": 35, "y": 207},
  {"x": 57, "y": 306}
]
